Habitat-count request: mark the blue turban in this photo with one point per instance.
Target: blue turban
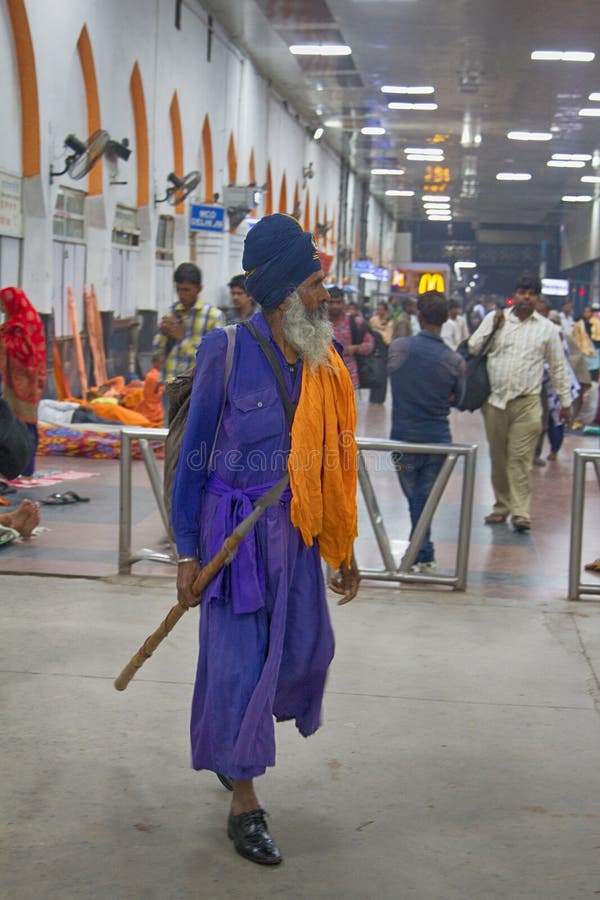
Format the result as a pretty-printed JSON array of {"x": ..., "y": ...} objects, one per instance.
[{"x": 278, "y": 256}]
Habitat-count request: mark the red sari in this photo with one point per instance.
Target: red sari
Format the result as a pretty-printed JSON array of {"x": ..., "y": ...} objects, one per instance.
[{"x": 22, "y": 355}]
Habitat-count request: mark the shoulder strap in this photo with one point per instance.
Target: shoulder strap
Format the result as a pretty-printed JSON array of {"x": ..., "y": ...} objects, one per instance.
[
  {"x": 230, "y": 332},
  {"x": 488, "y": 340},
  {"x": 288, "y": 404}
]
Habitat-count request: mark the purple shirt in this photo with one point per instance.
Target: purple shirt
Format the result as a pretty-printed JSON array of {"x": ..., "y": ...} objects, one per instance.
[{"x": 253, "y": 443}]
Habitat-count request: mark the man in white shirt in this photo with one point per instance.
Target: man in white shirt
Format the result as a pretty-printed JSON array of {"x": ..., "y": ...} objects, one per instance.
[
  {"x": 522, "y": 344},
  {"x": 566, "y": 317},
  {"x": 454, "y": 330}
]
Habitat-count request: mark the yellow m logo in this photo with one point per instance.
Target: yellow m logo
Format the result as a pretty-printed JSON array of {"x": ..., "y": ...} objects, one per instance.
[{"x": 431, "y": 281}]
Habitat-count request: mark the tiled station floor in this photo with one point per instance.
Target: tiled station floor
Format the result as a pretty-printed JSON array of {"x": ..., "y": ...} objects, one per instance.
[
  {"x": 458, "y": 759},
  {"x": 82, "y": 539}
]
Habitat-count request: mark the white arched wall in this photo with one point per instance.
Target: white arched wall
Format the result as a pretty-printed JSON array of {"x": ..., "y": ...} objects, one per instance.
[{"x": 227, "y": 88}]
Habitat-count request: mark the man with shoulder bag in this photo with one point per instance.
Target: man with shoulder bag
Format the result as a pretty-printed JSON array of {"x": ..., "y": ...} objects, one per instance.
[{"x": 522, "y": 343}]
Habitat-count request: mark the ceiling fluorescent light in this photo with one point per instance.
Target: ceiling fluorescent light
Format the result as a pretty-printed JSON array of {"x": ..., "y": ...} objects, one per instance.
[
  {"x": 465, "y": 264},
  {"x": 332, "y": 123},
  {"x": 576, "y": 198},
  {"x": 565, "y": 164},
  {"x": 440, "y": 218},
  {"x": 394, "y": 193},
  {"x": 595, "y": 97},
  {"x": 590, "y": 179},
  {"x": 371, "y": 129},
  {"x": 585, "y": 157},
  {"x": 588, "y": 111},
  {"x": 513, "y": 176},
  {"x": 387, "y": 171},
  {"x": 529, "y": 136},
  {"x": 421, "y": 157},
  {"x": 403, "y": 89},
  {"x": 564, "y": 55},
  {"x": 420, "y": 106},
  {"x": 319, "y": 132},
  {"x": 320, "y": 50},
  {"x": 578, "y": 56},
  {"x": 431, "y": 151},
  {"x": 436, "y": 198}
]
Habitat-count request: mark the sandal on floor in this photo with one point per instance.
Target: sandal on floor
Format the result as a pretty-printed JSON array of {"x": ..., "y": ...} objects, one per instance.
[
  {"x": 64, "y": 499},
  {"x": 593, "y": 566},
  {"x": 520, "y": 523},
  {"x": 5, "y": 488},
  {"x": 495, "y": 519}
]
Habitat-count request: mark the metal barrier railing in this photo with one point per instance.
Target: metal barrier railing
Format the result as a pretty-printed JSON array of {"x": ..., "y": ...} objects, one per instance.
[
  {"x": 580, "y": 460},
  {"x": 143, "y": 436},
  {"x": 390, "y": 572},
  {"x": 400, "y": 573}
]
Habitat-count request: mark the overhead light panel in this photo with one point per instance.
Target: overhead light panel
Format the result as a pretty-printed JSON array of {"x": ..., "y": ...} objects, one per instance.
[
  {"x": 576, "y": 198},
  {"x": 513, "y": 176},
  {"x": 419, "y": 106},
  {"x": 582, "y": 157},
  {"x": 436, "y": 198},
  {"x": 394, "y": 193},
  {"x": 465, "y": 264},
  {"x": 426, "y": 151},
  {"x": 387, "y": 171},
  {"x": 440, "y": 218},
  {"x": 590, "y": 179},
  {"x": 415, "y": 90},
  {"x": 319, "y": 132},
  {"x": 564, "y": 55},
  {"x": 586, "y": 111},
  {"x": 372, "y": 129},
  {"x": 420, "y": 157},
  {"x": 595, "y": 97},
  {"x": 333, "y": 123},
  {"x": 320, "y": 50},
  {"x": 529, "y": 136},
  {"x": 565, "y": 164}
]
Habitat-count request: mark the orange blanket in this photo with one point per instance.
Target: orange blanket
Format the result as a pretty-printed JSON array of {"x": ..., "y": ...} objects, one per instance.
[
  {"x": 112, "y": 412},
  {"x": 323, "y": 461}
]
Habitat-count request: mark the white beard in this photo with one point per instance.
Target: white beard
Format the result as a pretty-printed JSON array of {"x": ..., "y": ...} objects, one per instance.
[{"x": 309, "y": 333}]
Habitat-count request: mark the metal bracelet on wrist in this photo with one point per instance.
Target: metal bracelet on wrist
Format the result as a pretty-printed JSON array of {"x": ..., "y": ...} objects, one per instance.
[{"x": 186, "y": 559}]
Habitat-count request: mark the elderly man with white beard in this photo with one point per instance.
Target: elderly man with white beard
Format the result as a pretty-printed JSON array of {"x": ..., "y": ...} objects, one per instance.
[{"x": 287, "y": 406}]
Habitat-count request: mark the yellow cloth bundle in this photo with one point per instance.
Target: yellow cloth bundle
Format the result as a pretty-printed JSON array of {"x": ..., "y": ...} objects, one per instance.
[{"x": 323, "y": 461}]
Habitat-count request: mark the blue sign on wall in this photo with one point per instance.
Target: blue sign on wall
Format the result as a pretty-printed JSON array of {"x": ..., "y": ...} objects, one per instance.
[{"x": 207, "y": 218}]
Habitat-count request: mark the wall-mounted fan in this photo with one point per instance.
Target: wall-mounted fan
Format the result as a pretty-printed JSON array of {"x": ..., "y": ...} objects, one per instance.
[
  {"x": 322, "y": 228},
  {"x": 180, "y": 188},
  {"x": 83, "y": 156}
]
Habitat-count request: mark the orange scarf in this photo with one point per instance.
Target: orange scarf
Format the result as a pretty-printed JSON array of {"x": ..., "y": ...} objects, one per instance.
[{"x": 323, "y": 461}]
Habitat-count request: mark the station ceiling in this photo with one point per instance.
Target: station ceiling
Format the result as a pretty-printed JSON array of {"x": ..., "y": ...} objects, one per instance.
[{"x": 476, "y": 54}]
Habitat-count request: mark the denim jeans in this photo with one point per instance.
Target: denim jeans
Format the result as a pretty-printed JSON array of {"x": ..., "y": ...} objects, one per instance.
[{"x": 417, "y": 473}]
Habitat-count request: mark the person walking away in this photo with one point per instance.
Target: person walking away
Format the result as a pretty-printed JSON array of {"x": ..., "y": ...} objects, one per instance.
[
  {"x": 426, "y": 378},
  {"x": 382, "y": 329},
  {"x": 265, "y": 636},
  {"x": 522, "y": 344},
  {"x": 22, "y": 361}
]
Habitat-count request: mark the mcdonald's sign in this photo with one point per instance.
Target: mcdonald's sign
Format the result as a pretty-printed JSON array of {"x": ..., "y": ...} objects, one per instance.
[{"x": 431, "y": 281}]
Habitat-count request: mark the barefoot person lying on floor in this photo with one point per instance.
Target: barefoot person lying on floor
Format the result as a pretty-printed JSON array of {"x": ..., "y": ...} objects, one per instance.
[{"x": 23, "y": 519}]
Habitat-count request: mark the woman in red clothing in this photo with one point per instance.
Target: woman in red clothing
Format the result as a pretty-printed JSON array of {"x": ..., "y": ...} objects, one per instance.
[{"x": 22, "y": 359}]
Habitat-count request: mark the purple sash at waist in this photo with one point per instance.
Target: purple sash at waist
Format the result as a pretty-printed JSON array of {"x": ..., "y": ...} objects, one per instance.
[{"x": 243, "y": 580}]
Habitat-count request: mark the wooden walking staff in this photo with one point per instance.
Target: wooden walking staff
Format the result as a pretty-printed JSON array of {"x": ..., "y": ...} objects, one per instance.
[{"x": 208, "y": 572}]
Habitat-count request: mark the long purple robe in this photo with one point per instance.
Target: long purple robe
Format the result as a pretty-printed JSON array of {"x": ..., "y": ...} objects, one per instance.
[{"x": 265, "y": 636}]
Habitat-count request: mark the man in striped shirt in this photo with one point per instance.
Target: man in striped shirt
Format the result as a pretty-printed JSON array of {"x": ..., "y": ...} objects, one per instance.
[
  {"x": 522, "y": 344},
  {"x": 188, "y": 321}
]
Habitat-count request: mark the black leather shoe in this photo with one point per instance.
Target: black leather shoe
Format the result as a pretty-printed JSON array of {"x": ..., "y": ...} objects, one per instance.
[{"x": 251, "y": 839}]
